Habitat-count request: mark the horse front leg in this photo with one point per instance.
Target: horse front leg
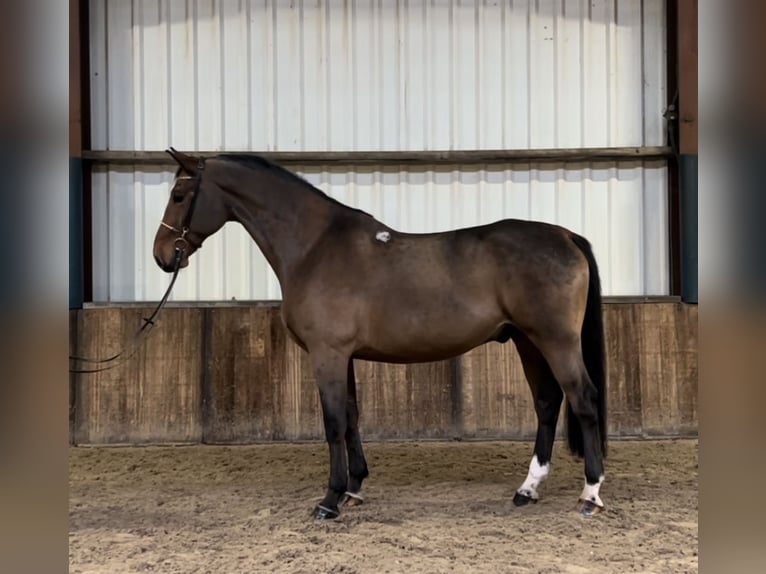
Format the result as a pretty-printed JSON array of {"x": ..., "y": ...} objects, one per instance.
[
  {"x": 330, "y": 370},
  {"x": 357, "y": 464}
]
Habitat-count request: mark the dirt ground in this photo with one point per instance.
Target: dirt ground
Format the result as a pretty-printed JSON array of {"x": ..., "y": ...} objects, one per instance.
[{"x": 430, "y": 507}]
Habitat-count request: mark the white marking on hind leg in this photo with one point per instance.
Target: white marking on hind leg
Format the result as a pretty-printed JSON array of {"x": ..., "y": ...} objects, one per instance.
[
  {"x": 537, "y": 473},
  {"x": 590, "y": 492}
]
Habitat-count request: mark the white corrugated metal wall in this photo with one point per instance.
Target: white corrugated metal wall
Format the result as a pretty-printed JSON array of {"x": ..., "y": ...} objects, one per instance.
[{"x": 370, "y": 75}]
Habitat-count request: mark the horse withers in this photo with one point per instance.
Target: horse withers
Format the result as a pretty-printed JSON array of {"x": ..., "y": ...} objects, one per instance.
[{"x": 354, "y": 287}]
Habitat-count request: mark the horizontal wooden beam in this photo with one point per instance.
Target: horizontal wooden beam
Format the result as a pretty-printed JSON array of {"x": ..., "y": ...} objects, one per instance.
[
  {"x": 425, "y": 157},
  {"x": 608, "y": 300}
]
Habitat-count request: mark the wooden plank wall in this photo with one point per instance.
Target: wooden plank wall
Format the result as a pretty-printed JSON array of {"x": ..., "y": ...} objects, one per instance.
[
  {"x": 231, "y": 375},
  {"x": 155, "y": 396}
]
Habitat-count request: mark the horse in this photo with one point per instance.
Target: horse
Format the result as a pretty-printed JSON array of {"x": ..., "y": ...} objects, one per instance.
[{"x": 355, "y": 288}]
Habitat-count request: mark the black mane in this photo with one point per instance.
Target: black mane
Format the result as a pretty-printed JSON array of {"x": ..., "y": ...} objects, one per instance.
[{"x": 259, "y": 162}]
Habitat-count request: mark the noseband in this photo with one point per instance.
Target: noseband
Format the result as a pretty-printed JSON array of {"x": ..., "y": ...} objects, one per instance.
[{"x": 181, "y": 242}]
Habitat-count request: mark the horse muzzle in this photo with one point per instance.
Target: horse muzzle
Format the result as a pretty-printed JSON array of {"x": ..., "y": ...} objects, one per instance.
[{"x": 168, "y": 260}]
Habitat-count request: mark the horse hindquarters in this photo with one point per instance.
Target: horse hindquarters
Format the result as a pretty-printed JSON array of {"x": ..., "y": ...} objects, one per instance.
[{"x": 563, "y": 322}]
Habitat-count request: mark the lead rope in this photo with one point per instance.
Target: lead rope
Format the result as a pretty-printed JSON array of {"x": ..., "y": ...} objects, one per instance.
[
  {"x": 142, "y": 332},
  {"x": 148, "y": 325}
]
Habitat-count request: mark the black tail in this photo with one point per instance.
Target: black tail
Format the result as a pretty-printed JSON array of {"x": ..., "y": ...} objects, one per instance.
[{"x": 594, "y": 354}]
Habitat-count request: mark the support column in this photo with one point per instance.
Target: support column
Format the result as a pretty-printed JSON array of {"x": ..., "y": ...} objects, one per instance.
[
  {"x": 687, "y": 119},
  {"x": 79, "y": 174}
]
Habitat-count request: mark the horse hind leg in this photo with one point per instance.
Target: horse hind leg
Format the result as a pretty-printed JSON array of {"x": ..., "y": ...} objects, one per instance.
[
  {"x": 547, "y": 396},
  {"x": 357, "y": 464},
  {"x": 564, "y": 356}
]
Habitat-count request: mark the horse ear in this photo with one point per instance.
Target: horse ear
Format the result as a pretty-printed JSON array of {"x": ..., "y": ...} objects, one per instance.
[{"x": 188, "y": 163}]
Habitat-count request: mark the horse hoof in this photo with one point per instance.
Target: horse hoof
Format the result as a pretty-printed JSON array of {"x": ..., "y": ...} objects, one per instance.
[
  {"x": 588, "y": 508},
  {"x": 352, "y": 499},
  {"x": 323, "y": 513},
  {"x": 523, "y": 500}
]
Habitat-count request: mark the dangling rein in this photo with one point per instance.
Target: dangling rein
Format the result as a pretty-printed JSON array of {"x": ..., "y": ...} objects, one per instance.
[{"x": 111, "y": 362}]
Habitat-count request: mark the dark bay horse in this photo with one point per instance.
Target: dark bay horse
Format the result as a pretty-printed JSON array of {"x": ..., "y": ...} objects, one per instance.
[{"x": 355, "y": 288}]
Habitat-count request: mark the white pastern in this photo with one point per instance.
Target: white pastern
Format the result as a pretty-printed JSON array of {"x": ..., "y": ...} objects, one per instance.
[
  {"x": 383, "y": 236},
  {"x": 537, "y": 473},
  {"x": 590, "y": 492}
]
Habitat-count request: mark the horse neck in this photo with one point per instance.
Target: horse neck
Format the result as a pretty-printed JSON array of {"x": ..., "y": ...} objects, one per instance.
[{"x": 285, "y": 218}]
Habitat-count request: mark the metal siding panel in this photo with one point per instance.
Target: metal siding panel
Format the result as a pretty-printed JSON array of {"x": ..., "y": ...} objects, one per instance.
[
  {"x": 439, "y": 74},
  {"x": 570, "y": 201},
  {"x": 364, "y": 75},
  {"x": 493, "y": 193},
  {"x": 262, "y": 108},
  {"x": 626, "y": 217},
  {"x": 340, "y": 107},
  {"x": 608, "y": 204},
  {"x": 596, "y": 57},
  {"x": 465, "y": 195},
  {"x": 597, "y": 181},
  {"x": 543, "y": 194},
  {"x": 315, "y": 75},
  {"x": 464, "y": 61},
  {"x": 654, "y": 72},
  {"x": 121, "y": 187},
  {"x": 489, "y": 66},
  {"x": 388, "y": 72},
  {"x": 569, "y": 88},
  {"x": 235, "y": 70},
  {"x": 155, "y": 75},
  {"x": 655, "y": 222},
  {"x": 365, "y": 86},
  {"x": 628, "y": 91},
  {"x": 542, "y": 73},
  {"x": 140, "y": 254},
  {"x": 443, "y": 207},
  {"x": 517, "y": 71},
  {"x": 182, "y": 129},
  {"x": 287, "y": 77},
  {"x": 517, "y": 200},
  {"x": 100, "y": 233},
  {"x": 119, "y": 72},
  {"x": 414, "y": 63},
  {"x": 98, "y": 75},
  {"x": 208, "y": 69},
  {"x": 313, "y": 106}
]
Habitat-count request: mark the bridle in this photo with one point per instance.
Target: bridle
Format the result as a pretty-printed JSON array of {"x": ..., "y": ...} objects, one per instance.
[
  {"x": 182, "y": 233},
  {"x": 181, "y": 243}
]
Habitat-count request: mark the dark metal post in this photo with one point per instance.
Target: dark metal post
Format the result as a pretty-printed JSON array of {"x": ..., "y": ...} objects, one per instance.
[
  {"x": 689, "y": 227},
  {"x": 687, "y": 128},
  {"x": 79, "y": 169}
]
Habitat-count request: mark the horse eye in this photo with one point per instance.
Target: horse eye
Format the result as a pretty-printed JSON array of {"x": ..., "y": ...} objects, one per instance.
[{"x": 177, "y": 198}]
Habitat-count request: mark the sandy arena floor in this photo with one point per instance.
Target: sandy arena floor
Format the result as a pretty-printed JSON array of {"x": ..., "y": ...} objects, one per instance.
[{"x": 430, "y": 507}]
